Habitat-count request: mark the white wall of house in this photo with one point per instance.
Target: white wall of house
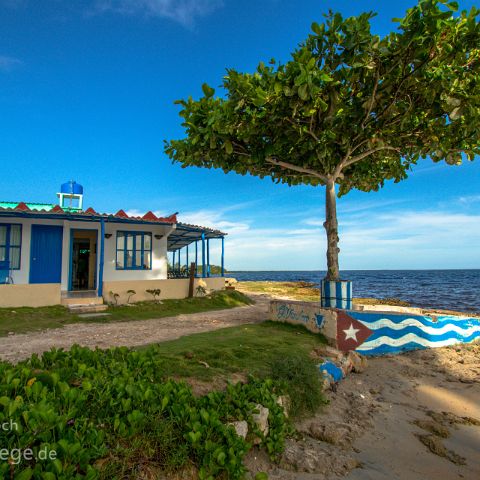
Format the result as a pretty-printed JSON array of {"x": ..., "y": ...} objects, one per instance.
[
  {"x": 159, "y": 249},
  {"x": 159, "y": 253}
]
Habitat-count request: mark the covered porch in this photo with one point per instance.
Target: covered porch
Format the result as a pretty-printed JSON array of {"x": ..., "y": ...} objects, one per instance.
[{"x": 191, "y": 243}]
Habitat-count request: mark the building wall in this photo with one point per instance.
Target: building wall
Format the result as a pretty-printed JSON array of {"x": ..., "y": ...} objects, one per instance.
[
  {"x": 38, "y": 295},
  {"x": 173, "y": 288},
  {"x": 159, "y": 250},
  {"x": 159, "y": 253}
]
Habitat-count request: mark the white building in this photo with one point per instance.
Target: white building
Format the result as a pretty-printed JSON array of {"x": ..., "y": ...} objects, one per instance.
[{"x": 52, "y": 254}]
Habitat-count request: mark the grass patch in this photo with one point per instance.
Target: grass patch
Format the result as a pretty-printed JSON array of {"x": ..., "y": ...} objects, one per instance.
[
  {"x": 27, "y": 319},
  {"x": 301, "y": 381},
  {"x": 248, "y": 349}
]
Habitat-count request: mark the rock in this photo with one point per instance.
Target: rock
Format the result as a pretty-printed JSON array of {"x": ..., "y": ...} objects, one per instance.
[
  {"x": 359, "y": 362},
  {"x": 313, "y": 457},
  {"x": 333, "y": 433},
  {"x": 325, "y": 351},
  {"x": 346, "y": 365},
  {"x": 241, "y": 428},
  {"x": 284, "y": 402},
  {"x": 261, "y": 420}
]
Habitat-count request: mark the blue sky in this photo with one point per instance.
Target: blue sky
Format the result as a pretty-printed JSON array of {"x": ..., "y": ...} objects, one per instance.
[{"x": 87, "y": 91}]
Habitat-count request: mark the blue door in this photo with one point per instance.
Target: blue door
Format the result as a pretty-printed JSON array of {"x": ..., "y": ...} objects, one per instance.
[{"x": 46, "y": 254}]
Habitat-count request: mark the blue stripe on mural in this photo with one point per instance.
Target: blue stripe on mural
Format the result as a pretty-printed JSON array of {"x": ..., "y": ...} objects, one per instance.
[
  {"x": 367, "y": 318},
  {"x": 386, "y": 349},
  {"x": 388, "y": 332},
  {"x": 338, "y": 290},
  {"x": 327, "y": 289}
]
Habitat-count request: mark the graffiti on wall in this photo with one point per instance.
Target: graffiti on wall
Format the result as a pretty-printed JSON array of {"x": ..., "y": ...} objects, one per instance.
[
  {"x": 295, "y": 313},
  {"x": 380, "y": 333}
]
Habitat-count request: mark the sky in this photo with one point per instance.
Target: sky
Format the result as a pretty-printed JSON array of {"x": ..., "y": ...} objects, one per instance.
[{"x": 86, "y": 93}]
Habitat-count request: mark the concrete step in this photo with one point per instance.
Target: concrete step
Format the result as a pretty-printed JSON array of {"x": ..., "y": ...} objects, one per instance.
[
  {"x": 87, "y": 308},
  {"x": 74, "y": 300}
]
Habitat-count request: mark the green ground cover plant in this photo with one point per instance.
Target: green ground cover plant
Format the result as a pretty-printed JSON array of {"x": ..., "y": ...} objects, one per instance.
[
  {"x": 123, "y": 413},
  {"x": 27, "y": 319}
]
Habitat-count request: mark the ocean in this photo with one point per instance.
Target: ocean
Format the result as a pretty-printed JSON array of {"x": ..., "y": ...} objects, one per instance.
[{"x": 445, "y": 289}]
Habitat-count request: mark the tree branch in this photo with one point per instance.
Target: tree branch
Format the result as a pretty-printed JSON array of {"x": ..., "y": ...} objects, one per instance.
[
  {"x": 296, "y": 168},
  {"x": 366, "y": 154}
]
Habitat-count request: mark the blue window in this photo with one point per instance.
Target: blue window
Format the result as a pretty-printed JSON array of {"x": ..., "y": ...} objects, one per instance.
[
  {"x": 10, "y": 244},
  {"x": 134, "y": 251}
]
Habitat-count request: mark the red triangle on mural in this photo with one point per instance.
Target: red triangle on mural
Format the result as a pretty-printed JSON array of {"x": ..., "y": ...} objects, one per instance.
[{"x": 350, "y": 332}]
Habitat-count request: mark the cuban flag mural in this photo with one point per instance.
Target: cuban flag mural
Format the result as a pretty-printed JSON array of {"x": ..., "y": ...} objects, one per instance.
[{"x": 372, "y": 333}]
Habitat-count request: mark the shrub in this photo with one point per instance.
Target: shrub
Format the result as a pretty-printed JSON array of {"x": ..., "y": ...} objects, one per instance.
[
  {"x": 301, "y": 380},
  {"x": 112, "y": 414}
]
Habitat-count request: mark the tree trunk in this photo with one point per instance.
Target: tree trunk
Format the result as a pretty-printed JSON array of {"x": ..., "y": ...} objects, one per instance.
[{"x": 331, "y": 227}]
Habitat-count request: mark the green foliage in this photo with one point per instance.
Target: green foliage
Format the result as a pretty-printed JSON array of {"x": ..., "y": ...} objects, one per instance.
[
  {"x": 349, "y": 107},
  {"x": 110, "y": 414},
  {"x": 130, "y": 294},
  {"x": 155, "y": 293},
  {"x": 299, "y": 375}
]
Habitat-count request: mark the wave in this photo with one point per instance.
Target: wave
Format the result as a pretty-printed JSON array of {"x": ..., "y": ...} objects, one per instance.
[
  {"x": 465, "y": 329},
  {"x": 440, "y": 341}
]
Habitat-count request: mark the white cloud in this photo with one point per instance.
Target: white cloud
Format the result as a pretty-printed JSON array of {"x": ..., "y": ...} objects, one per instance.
[
  {"x": 374, "y": 239},
  {"x": 8, "y": 63},
  {"x": 469, "y": 199},
  {"x": 182, "y": 11}
]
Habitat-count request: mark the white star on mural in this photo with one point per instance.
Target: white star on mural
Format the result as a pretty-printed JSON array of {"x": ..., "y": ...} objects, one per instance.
[{"x": 351, "y": 333}]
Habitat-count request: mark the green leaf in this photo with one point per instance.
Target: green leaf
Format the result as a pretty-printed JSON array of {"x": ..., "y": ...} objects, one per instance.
[
  {"x": 453, "y": 6},
  {"x": 228, "y": 147},
  {"x": 208, "y": 91},
  {"x": 303, "y": 91},
  {"x": 24, "y": 474},
  {"x": 318, "y": 29}
]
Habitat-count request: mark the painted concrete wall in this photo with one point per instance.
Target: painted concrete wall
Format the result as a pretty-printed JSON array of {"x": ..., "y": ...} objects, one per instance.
[
  {"x": 159, "y": 250},
  {"x": 308, "y": 314},
  {"x": 38, "y": 295},
  {"x": 172, "y": 288},
  {"x": 378, "y": 333}
]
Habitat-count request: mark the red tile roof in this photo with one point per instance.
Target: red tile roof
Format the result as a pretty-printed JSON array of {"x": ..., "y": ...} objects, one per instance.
[{"x": 148, "y": 217}]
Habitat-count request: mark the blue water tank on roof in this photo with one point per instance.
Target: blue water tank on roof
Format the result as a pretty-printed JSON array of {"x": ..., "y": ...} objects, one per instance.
[{"x": 71, "y": 187}]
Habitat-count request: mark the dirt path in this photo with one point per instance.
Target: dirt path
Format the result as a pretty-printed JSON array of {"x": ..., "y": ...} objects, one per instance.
[{"x": 134, "y": 333}]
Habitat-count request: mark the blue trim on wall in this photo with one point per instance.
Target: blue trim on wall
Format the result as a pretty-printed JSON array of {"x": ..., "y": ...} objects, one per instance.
[
  {"x": 223, "y": 257},
  {"x": 102, "y": 259},
  {"x": 203, "y": 256}
]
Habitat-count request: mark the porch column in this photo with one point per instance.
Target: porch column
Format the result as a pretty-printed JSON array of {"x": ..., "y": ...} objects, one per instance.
[
  {"x": 102, "y": 258},
  {"x": 196, "y": 257},
  {"x": 223, "y": 257},
  {"x": 208, "y": 257},
  {"x": 204, "y": 267}
]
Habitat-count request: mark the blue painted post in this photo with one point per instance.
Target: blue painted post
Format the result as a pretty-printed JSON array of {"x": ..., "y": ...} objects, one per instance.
[
  {"x": 336, "y": 294},
  {"x": 204, "y": 273},
  {"x": 208, "y": 257},
  {"x": 102, "y": 258},
  {"x": 188, "y": 266},
  {"x": 173, "y": 262},
  {"x": 196, "y": 257},
  {"x": 223, "y": 257},
  {"x": 179, "y": 261}
]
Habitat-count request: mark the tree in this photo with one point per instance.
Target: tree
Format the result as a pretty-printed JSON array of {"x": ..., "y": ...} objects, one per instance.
[{"x": 350, "y": 108}]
